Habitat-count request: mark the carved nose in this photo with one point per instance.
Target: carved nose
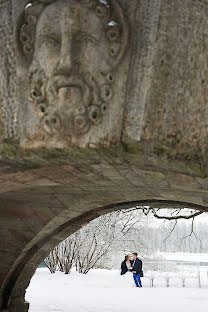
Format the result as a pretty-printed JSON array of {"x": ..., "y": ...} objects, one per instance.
[
  {"x": 66, "y": 55},
  {"x": 65, "y": 63}
]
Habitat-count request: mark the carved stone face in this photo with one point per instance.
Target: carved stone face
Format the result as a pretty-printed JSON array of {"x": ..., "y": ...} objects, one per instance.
[
  {"x": 75, "y": 52},
  {"x": 70, "y": 37}
]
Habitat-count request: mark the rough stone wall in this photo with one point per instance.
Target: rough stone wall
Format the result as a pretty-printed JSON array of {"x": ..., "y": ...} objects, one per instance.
[
  {"x": 2, "y": 129},
  {"x": 8, "y": 79},
  {"x": 144, "y": 27},
  {"x": 160, "y": 89},
  {"x": 176, "y": 116}
]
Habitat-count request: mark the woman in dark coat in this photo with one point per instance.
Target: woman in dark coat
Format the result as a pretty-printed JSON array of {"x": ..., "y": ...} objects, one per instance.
[{"x": 126, "y": 265}]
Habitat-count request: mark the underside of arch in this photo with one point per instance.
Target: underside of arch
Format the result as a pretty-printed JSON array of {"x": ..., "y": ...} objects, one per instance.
[{"x": 41, "y": 207}]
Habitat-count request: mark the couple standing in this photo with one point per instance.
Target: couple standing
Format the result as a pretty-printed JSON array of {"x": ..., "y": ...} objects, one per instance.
[{"x": 133, "y": 265}]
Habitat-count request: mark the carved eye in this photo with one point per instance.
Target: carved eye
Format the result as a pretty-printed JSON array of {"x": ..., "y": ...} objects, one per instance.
[
  {"x": 86, "y": 38},
  {"x": 49, "y": 42}
]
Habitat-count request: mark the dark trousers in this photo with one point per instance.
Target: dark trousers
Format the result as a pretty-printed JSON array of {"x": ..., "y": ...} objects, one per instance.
[{"x": 137, "y": 280}]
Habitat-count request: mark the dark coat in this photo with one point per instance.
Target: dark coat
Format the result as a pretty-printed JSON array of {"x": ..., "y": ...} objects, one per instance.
[
  {"x": 124, "y": 268},
  {"x": 137, "y": 266}
]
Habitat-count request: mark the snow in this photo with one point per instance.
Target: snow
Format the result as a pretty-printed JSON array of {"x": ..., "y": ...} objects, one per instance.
[
  {"x": 107, "y": 291},
  {"x": 189, "y": 257},
  {"x": 112, "y": 23},
  {"x": 28, "y": 5}
]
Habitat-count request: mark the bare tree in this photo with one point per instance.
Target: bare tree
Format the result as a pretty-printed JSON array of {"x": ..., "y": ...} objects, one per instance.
[
  {"x": 51, "y": 261},
  {"x": 67, "y": 253},
  {"x": 85, "y": 248},
  {"x": 99, "y": 237},
  {"x": 120, "y": 232},
  {"x": 168, "y": 213}
]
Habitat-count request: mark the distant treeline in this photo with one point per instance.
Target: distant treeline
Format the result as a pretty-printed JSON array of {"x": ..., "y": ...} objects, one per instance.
[{"x": 179, "y": 239}]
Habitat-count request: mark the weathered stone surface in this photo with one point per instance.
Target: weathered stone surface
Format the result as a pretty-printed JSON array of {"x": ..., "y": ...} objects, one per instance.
[
  {"x": 89, "y": 73},
  {"x": 2, "y": 134},
  {"x": 156, "y": 81},
  {"x": 73, "y": 73},
  {"x": 143, "y": 44},
  {"x": 176, "y": 107},
  {"x": 8, "y": 78}
]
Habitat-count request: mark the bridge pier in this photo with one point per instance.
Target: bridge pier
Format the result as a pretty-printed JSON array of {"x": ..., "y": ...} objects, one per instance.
[{"x": 85, "y": 131}]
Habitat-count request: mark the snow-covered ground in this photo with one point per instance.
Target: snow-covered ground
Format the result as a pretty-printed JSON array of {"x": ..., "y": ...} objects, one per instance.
[{"x": 107, "y": 291}]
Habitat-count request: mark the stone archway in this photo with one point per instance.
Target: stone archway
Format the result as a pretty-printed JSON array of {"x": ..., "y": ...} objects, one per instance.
[
  {"x": 50, "y": 203},
  {"x": 157, "y": 117},
  {"x": 35, "y": 255}
]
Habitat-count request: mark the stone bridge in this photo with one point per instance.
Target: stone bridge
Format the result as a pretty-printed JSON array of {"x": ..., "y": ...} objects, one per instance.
[{"x": 103, "y": 106}]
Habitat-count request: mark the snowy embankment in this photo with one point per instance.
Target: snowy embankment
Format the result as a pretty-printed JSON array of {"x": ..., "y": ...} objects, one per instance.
[{"x": 106, "y": 291}]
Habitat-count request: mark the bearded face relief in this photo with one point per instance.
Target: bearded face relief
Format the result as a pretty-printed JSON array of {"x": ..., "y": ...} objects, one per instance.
[{"x": 72, "y": 50}]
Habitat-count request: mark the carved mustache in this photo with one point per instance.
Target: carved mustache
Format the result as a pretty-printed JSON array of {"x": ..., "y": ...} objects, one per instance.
[{"x": 75, "y": 81}]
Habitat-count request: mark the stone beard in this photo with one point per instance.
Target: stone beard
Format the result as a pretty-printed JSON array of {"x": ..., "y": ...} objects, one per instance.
[
  {"x": 73, "y": 54},
  {"x": 69, "y": 103}
]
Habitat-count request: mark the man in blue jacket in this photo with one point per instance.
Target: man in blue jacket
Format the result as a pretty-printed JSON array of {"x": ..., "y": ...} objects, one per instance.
[{"x": 137, "y": 270}]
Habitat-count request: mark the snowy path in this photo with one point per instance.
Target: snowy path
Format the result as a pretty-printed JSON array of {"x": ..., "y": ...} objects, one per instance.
[{"x": 98, "y": 292}]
